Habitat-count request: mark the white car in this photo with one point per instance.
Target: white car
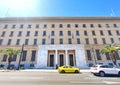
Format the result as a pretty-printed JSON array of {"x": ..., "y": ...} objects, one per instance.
[{"x": 103, "y": 70}]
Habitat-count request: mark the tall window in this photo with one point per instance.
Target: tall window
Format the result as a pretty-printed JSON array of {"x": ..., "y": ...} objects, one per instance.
[
  {"x": 107, "y": 25},
  {"x": 91, "y": 25},
  {"x": 61, "y": 33},
  {"x": 61, "y": 41},
  {"x": 76, "y": 25},
  {"x": 109, "y": 32},
  {"x": 69, "y": 41},
  {"x": 85, "y": 33},
  {"x": 98, "y": 55},
  {"x": 78, "y": 40},
  {"x": 117, "y": 56},
  {"x": 69, "y": 33},
  {"x": 95, "y": 40},
  {"x": 77, "y": 33},
  {"x": 115, "y": 25},
  {"x": 99, "y": 25},
  {"x": 9, "y": 42},
  {"x": 68, "y": 26},
  {"x": 4, "y": 58},
  {"x": 53, "y": 26},
  {"x": 33, "y": 55},
  {"x": 14, "y": 26},
  {"x": 117, "y": 32},
  {"x": 84, "y": 25},
  {"x": 103, "y": 40},
  {"x": 107, "y": 56},
  {"x": 24, "y": 54},
  {"x": 11, "y": 34},
  {"x": 37, "y": 25},
  {"x": 3, "y": 34},
  {"x": 89, "y": 55},
  {"x": 52, "y": 33},
  {"x": 20, "y": 33},
  {"x": 35, "y": 42},
  {"x": 93, "y": 33},
  {"x": 45, "y": 25},
  {"x": 28, "y": 33},
  {"x": 36, "y": 33},
  {"x": 112, "y": 40},
  {"x": 43, "y": 41},
  {"x": 52, "y": 41},
  {"x": 101, "y": 32},
  {"x": 26, "y": 41},
  {"x": 44, "y": 33},
  {"x": 14, "y": 57},
  {"x": 60, "y": 26},
  {"x": 21, "y": 26},
  {"x": 18, "y": 42},
  {"x": 6, "y": 26},
  {"x": 1, "y": 40},
  {"x": 87, "y": 40},
  {"x": 29, "y": 26}
]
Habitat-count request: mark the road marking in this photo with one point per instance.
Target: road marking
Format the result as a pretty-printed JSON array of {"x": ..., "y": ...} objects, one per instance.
[{"x": 110, "y": 82}]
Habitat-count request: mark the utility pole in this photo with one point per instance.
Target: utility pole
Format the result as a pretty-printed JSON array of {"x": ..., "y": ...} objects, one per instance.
[{"x": 20, "y": 56}]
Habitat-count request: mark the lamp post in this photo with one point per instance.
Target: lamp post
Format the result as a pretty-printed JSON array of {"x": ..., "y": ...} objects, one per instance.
[
  {"x": 94, "y": 55},
  {"x": 20, "y": 56}
]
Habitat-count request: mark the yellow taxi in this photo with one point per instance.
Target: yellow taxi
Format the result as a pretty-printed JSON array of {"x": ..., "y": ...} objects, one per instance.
[{"x": 68, "y": 69}]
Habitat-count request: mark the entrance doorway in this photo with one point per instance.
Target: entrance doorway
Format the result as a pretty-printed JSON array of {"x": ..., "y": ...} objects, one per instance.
[
  {"x": 51, "y": 60},
  {"x": 61, "y": 59},
  {"x": 71, "y": 60}
]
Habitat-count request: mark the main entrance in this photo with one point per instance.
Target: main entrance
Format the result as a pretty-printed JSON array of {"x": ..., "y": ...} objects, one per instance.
[
  {"x": 71, "y": 60},
  {"x": 51, "y": 60},
  {"x": 61, "y": 56}
]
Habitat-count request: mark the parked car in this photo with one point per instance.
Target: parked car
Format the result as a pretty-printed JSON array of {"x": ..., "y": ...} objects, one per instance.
[
  {"x": 103, "y": 70},
  {"x": 68, "y": 69}
]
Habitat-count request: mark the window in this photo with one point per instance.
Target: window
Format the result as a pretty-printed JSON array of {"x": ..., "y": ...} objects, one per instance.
[
  {"x": 52, "y": 33},
  {"x": 24, "y": 55},
  {"x": 26, "y": 41},
  {"x": 91, "y": 25},
  {"x": 43, "y": 41},
  {"x": 95, "y": 41},
  {"x": 6, "y": 26},
  {"x": 21, "y": 26},
  {"x": 11, "y": 34},
  {"x": 29, "y": 26},
  {"x": 20, "y": 33},
  {"x": 87, "y": 40},
  {"x": 13, "y": 26},
  {"x": 109, "y": 32},
  {"x": 3, "y": 34},
  {"x": 98, "y": 55},
  {"x": 33, "y": 55},
  {"x": 37, "y": 25},
  {"x": 112, "y": 40},
  {"x": 45, "y": 25},
  {"x": 69, "y": 33},
  {"x": 61, "y": 33},
  {"x": 89, "y": 55},
  {"x": 107, "y": 25},
  {"x": 77, "y": 33},
  {"x": 76, "y": 25},
  {"x": 1, "y": 40},
  {"x": 53, "y": 26},
  {"x": 52, "y": 41},
  {"x": 35, "y": 41},
  {"x": 115, "y": 25},
  {"x": 28, "y": 33},
  {"x": 60, "y": 26},
  {"x": 68, "y": 26},
  {"x": 4, "y": 58},
  {"x": 14, "y": 57},
  {"x": 101, "y": 32},
  {"x": 78, "y": 40},
  {"x": 36, "y": 33},
  {"x": 44, "y": 33},
  {"x": 69, "y": 41},
  {"x": 9, "y": 42},
  {"x": 84, "y": 25},
  {"x": 117, "y": 56},
  {"x": 85, "y": 33},
  {"x": 18, "y": 42},
  {"x": 107, "y": 56},
  {"x": 117, "y": 32},
  {"x": 103, "y": 40},
  {"x": 93, "y": 33},
  {"x": 99, "y": 25},
  {"x": 61, "y": 41}
]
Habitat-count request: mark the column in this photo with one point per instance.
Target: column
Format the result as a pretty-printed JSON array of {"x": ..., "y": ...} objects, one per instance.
[
  {"x": 56, "y": 57},
  {"x": 66, "y": 53}
]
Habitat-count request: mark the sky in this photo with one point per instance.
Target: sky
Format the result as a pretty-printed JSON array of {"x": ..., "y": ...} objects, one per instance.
[{"x": 61, "y": 8}]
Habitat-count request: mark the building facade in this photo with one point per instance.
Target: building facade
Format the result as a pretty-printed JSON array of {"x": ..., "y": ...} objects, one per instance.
[{"x": 51, "y": 41}]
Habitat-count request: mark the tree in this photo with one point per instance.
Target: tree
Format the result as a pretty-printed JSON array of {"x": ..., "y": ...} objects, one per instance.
[
  {"x": 111, "y": 49},
  {"x": 10, "y": 52}
]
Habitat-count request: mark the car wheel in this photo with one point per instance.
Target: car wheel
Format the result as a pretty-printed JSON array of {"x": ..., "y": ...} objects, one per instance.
[
  {"x": 62, "y": 71},
  {"x": 119, "y": 73},
  {"x": 76, "y": 71},
  {"x": 102, "y": 74}
]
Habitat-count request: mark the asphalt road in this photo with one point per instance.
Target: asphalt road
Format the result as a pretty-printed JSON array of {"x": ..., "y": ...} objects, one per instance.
[{"x": 54, "y": 78}]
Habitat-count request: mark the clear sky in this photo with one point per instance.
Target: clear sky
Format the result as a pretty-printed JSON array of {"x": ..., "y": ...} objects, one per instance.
[{"x": 50, "y": 8}]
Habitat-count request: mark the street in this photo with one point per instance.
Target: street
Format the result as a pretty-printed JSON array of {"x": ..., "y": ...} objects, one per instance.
[{"x": 54, "y": 78}]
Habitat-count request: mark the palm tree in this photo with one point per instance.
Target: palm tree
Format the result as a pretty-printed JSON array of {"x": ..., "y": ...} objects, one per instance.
[
  {"x": 111, "y": 49},
  {"x": 10, "y": 52}
]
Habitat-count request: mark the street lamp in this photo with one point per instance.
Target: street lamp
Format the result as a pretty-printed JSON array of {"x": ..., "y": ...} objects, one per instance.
[
  {"x": 94, "y": 55},
  {"x": 20, "y": 56}
]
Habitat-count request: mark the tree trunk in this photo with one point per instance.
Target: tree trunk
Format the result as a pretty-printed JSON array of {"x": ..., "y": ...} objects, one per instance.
[
  {"x": 112, "y": 55},
  {"x": 9, "y": 61}
]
